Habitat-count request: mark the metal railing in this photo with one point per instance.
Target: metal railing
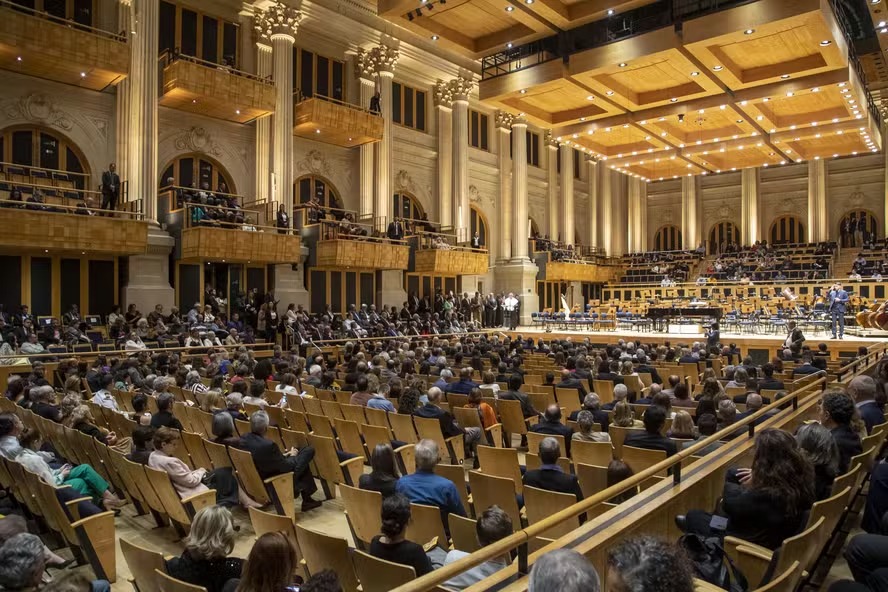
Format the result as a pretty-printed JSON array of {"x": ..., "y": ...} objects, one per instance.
[
  {"x": 71, "y": 24},
  {"x": 299, "y": 97},
  {"x": 205, "y": 216},
  {"x": 57, "y": 177},
  {"x": 847, "y": 32},
  {"x": 88, "y": 203}
]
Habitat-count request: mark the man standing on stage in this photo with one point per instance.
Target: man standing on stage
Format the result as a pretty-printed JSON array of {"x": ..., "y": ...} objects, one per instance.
[
  {"x": 838, "y": 301},
  {"x": 511, "y": 305}
]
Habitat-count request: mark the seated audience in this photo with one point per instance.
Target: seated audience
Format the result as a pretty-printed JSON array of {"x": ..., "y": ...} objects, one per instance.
[
  {"x": 383, "y": 476},
  {"x": 271, "y": 565},
  {"x": 836, "y": 413},
  {"x": 425, "y": 487},
  {"x": 492, "y": 525},
  {"x": 818, "y": 446},
  {"x": 550, "y": 475},
  {"x": 392, "y": 545},
  {"x": 586, "y": 428},
  {"x": 205, "y": 560},
  {"x": 648, "y": 564},
  {"x": 551, "y": 425},
  {"x": 563, "y": 570},
  {"x": 651, "y": 438}
]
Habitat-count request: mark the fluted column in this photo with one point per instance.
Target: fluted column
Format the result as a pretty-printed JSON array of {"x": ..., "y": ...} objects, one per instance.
[
  {"x": 749, "y": 206},
  {"x": 249, "y": 51},
  {"x": 519, "y": 189},
  {"x": 460, "y": 88},
  {"x": 444, "y": 119},
  {"x": 818, "y": 223},
  {"x": 124, "y": 23},
  {"x": 592, "y": 210},
  {"x": 365, "y": 70},
  {"x": 690, "y": 210},
  {"x": 504, "y": 205},
  {"x": 141, "y": 173},
  {"x": 606, "y": 189},
  {"x": 619, "y": 213},
  {"x": 637, "y": 215},
  {"x": 384, "y": 58},
  {"x": 567, "y": 195},
  {"x": 263, "y": 130},
  {"x": 279, "y": 24},
  {"x": 551, "y": 184}
]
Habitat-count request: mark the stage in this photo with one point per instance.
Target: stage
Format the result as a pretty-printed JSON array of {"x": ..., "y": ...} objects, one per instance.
[{"x": 755, "y": 344}]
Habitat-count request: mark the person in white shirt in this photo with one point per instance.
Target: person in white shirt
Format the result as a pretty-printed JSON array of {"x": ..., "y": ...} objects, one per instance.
[
  {"x": 193, "y": 339},
  {"x": 103, "y": 396},
  {"x": 134, "y": 343},
  {"x": 511, "y": 306},
  {"x": 492, "y": 525},
  {"x": 32, "y": 346}
]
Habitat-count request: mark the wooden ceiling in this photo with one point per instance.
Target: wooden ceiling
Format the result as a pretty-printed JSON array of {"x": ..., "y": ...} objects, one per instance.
[
  {"x": 481, "y": 27},
  {"x": 762, "y": 84}
]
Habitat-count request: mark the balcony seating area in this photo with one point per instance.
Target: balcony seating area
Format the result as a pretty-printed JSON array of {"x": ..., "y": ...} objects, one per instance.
[{"x": 654, "y": 266}]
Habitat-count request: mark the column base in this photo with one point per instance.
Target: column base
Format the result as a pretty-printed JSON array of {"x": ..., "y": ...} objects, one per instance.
[
  {"x": 520, "y": 276},
  {"x": 148, "y": 275},
  {"x": 390, "y": 290},
  {"x": 289, "y": 285}
]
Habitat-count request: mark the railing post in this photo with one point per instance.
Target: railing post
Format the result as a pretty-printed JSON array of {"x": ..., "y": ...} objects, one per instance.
[
  {"x": 676, "y": 474},
  {"x": 522, "y": 559},
  {"x": 752, "y": 430}
]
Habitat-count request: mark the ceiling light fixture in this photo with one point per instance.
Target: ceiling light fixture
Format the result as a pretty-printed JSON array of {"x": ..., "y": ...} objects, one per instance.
[
  {"x": 718, "y": 68},
  {"x": 623, "y": 64},
  {"x": 590, "y": 98},
  {"x": 695, "y": 73},
  {"x": 609, "y": 93},
  {"x": 83, "y": 74},
  {"x": 784, "y": 76},
  {"x": 673, "y": 100},
  {"x": 18, "y": 58},
  {"x": 523, "y": 91},
  {"x": 749, "y": 31},
  {"x": 434, "y": 37},
  {"x": 610, "y": 11},
  {"x": 815, "y": 89},
  {"x": 317, "y": 131},
  {"x": 237, "y": 111},
  {"x": 510, "y": 8},
  {"x": 825, "y": 43},
  {"x": 509, "y": 45}
]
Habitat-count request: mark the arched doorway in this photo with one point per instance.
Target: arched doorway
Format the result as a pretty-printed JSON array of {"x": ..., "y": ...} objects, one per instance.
[
  {"x": 721, "y": 234},
  {"x": 194, "y": 170},
  {"x": 323, "y": 191},
  {"x": 478, "y": 223},
  {"x": 787, "y": 230},
  {"x": 405, "y": 205},
  {"x": 667, "y": 238},
  {"x": 871, "y": 226},
  {"x": 61, "y": 161}
]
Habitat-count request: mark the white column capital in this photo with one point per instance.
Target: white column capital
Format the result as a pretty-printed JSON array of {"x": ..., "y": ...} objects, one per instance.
[
  {"x": 503, "y": 120},
  {"x": 519, "y": 121},
  {"x": 384, "y": 60},
  {"x": 442, "y": 93},
  {"x": 550, "y": 140},
  {"x": 365, "y": 68},
  {"x": 278, "y": 21},
  {"x": 460, "y": 88}
]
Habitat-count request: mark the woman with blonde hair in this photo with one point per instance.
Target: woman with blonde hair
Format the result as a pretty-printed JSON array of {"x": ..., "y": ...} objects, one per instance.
[
  {"x": 682, "y": 427},
  {"x": 212, "y": 401},
  {"x": 82, "y": 420},
  {"x": 205, "y": 561},
  {"x": 624, "y": 417},
  {"x": 626, "y": 369}
]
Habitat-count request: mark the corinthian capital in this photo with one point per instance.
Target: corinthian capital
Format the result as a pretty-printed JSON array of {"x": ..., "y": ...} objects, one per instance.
[
  {"x": 384, "y": 58},
  {"x": 278, "y": 20},
  {"x": 460, "y": 87},
  {"x": 365, "y": 67},
  {"x": 550, "y": 140},
  {"x": 443, "y": 94},
  {"x": 503, "y": 119}
]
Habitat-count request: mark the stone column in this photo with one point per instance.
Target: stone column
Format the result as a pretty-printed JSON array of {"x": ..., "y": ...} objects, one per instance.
[
  {"x": 818, "y": 220},
  {"x": 551, "y": 184},
  {"x": 594, "y": 189},
  {"x": 248, "y": 52},
  {"x": 384, "y": 58},
  {"x": 141, "y": 170},
  {"x": 504, "y": 204},
  {"x": 263, "y": 131},
  {"x": 124, "y": 23},
  {"x": 690, "y": 212},
  {"x": 749, "y": 207},
  {"x": 637, "y": 215},
  {"x": 460, "y": 87},
  {"x": 615, "y": 217},
  {"x": 606, "y": 198},
  {"x": 365, "y": 70},
  {"x": 567, "y": 195},
  {"x": 444, "y": 120},
  {"x": 278, "y": 24}
]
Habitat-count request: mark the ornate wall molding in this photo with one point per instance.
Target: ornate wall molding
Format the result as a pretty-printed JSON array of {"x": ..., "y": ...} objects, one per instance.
[
  {"x": 460, "y": 88},
  {"x": 503, "y": 119},
  {"x": 384, "y": 58},
  {"x": 38, "y": 108},
  {"x": 197, "y": 139},
  {"x": 315, "y": 163},
  {"x": 365, "y": 67},
  {"x": 443, "y": 94}
]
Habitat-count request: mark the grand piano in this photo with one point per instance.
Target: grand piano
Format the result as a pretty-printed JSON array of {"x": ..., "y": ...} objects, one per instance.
[{"x": 661, "y": 315}]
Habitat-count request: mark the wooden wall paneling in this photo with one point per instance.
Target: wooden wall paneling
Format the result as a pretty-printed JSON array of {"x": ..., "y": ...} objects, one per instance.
[
  {"x": 221, "y": 244},
  {"x": 72, "y": 233},
  {"x": 339, "y": 123}
]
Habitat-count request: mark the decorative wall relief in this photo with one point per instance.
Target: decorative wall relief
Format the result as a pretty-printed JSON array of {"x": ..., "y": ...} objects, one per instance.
[
  {"x": 315, "y": 163},
  {"x": 38, "y": 108}
]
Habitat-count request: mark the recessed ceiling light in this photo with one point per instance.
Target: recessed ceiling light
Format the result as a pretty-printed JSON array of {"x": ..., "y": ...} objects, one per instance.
[
  {"x": 523, "y": 91},
  {"x": 739, "y": 121},
  {"x": 749, "y": 31},
  {"x": 509, "y": 45},
  {"x": 83, "y": 74},
  {"x": 609, "y": 93},
  {"x": 18, "y": 58},
  {"x": 673, "y": 100},
  {"x": 610, "y": 11},
  {"x": 590, "y": 98},
  {"x": 766, "y": 99},
  {"x": 582, "y": 119},
  {"x": 695, "y": 73},
  {"x": 434, "y": 37},
  {"x": 815, "y": 89},
  {"x": 317, "y": 131},
  {"x": 760, "y": 117},
  {"x": 194, "y": 100},
  {"x": 623, "y": 64},
  {"x": 789, "y": 93},
  {"x": 510, "y": 8},
  {"x": 528, "y": 1},
  {"x": 784, "y": 76},
  {"x": 841, "y": 84},
  {"x": 349, "y": 139},
  {"x": 825, "y": 43},
  {"x": 875, "y": 1},
  {"x": 718, "y": 68},
  {"x": 237, "y": 111}
]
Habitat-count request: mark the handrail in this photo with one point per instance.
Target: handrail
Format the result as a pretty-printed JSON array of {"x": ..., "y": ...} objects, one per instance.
[
  {"x": 246, "y": 225},
  {"x": 168, "y": 56},
  {"x": 728, "y": 283},
  {"x": 18, "y": 184},
  {"x": 47, "y": 208},
  {"x": 198, "y": 189},
  {"x": 63, "y": 21},
  {"x": 520, "y": 538},
  {"x": 298, "y": 98},
  {"x": 28, "y": 167},
  {"x": 330, "y": 231}
]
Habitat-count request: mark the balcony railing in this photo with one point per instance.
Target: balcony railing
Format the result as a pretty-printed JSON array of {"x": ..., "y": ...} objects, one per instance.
[
  {"x": 231, "y": 235},
  {"x": 347, "y": 244},
  {"x": 334, "y": 121}
]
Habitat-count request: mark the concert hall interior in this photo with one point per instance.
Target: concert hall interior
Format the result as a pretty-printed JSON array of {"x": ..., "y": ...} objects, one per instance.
[{"x": 429, "y": 295}]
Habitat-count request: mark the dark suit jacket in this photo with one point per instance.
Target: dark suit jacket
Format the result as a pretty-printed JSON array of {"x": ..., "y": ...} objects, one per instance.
[
  {"x": 688, "y": 360},
  {"x": 770, "y": 384},
  {"x": 165, "y": 419},
  {"x": 599, "y": 416},
  {"x": 449, "y": 427},
  {"x": 756, "y": 517},
  {"x": 871, "y": 414},
  {"x": 614, "y": 378},
  {"x": 267, "y": 457},
  {"x": 526, "y": 406},
  {"x": 460, "y": 387},
  {"x": 849, "y": 445},
  {"x": 109, "y": 179},
  {"x": 803, "y": 370},
  {"x": 551, "y": 479},
  {"x": 651, "y": 442},
  {"x": 655, "y": 376},
  {"x": 554, "y": 428}
]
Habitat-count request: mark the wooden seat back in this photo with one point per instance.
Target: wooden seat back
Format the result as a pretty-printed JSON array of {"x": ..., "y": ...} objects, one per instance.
[
  {"x": 425, "y": 524},
  {"x": 456, "y": 474},
  {"x": 463, "y": 533},
  {"x": 540, "y": 504},
  {"x": 511, "y": 416},
  {"x": 363, "y": 510},
  {"x": 167, "y": 583},
  {"x": 142, "y": 564},
  {"x": 349, "y": 434},
  {"x": 591, "y": 453},
  {"x": 379, "y": 575},
  {"x": 322, "y": 552},
  {"x": 489, "y": 490},
  {"x": 593, "y": 478},
  {"x": 604, "y": 389},
  {"x": 500, "y": 462},
  {"x": 534, "y": 439},
  {"x": 402, "y": 426}
]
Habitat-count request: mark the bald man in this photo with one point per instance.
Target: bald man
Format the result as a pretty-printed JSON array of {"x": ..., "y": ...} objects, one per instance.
[{"x": 551, "y": 425}]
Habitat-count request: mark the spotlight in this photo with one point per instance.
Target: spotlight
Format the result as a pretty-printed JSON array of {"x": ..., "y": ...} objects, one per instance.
[
  {"x": 409, "y": 16},
  {"x": 418, "y": 12}
]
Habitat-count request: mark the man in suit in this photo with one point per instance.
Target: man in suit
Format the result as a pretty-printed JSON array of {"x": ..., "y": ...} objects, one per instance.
[
  {"x": 643, "y": 368},
  {"x": 476, "y": 241},
  {"x": 270, "y": 461},
  {"x": 686, "y": 357},
  {"x": 806, "y": 368},
  {"x": 768, "y": 382},
  {"x": 673, "y": 380},
  {"x": 395, "y": 230},
  {"x": 836, "y": 412},
  {"x": 449, "y": 427},
  {"x": 550, "y": 476},
  {"x": 863, "y": 391},
  {"x": 110, "y": 188},
  {"x": 621, "y": 393},
  {"x": 464, "y": 385},
  {"x": 592, "y": 404},
  {"x": 651, "y": 438},
  {"x": 568, "y": 380},
  {"x": 551, "y": 425},
  {"x": 514, "y": 394},
  {"x": 838, "y": 302},
  {"x": 612, "y": 373}
]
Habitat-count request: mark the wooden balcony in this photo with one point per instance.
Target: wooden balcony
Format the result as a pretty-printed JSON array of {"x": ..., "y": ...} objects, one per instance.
[
  {"x": 451, "y": 262},
  {"x": 57, "y": 232},
  {"x": 38, "y": 44},
  {"x": 196, "y": 86},
  {"x": 362, "y": 254},
  {"x": 335, "y": 122},
  {"x": 238, "y": 246},
  {"x": 579, "y": 272}
]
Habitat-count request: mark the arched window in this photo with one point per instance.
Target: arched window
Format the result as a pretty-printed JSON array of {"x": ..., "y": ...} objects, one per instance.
[
  {"x": 871, "y": 227},
  {"x": 38, "y": 147},
  {"x": 324, "y": 191},
  {"x": 722, "y": 234},
  {"x": 668, "y": 238},
  {"x": 787, "y": 229},
  {"x": 196, "y": 169},
  {"x": 405, "y": 205},
  {"x": 478, "y": 223}
]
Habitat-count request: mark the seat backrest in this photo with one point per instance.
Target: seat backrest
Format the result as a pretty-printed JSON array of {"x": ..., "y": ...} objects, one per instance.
[
  {"x": 425, "y": 524},
  {"x": 540, "y": 504},
  {"x": 363, "y": 510},
  {"x": 500, "y": 462},
  {"x": 429, "y": 428},
  {"x": 640, "y": 459},
  {"x": 354, "y": 413},
  {"x": 593, "y": 478},
  {"x": 592, "y": 453},
  {"x": 604, "y": 389},
  {"x": 248, "y": 475},
  {"x": 322, "y": 552},
  {"x": 142, "y": 564},
  {"x": 167, "y": 583},
  {"x": 467, "y": 417},
  {"x": 511, "y": 416},
  {"x": 534, "y": 439},
  {"x": 463, "y": 533},
  {"x": 379, "y": 575},
  {"x": 264, "y": 522},
  {"x": 376, "y": 417},
  {"x": 489, "y": 490},
  {"x": 171, "y": 501},
  {"x": 349, "y": 434},
  {"x": 850, "y": 478},
  {"x": 618, "y": 436},
  {"x": 786, "y": 581},
  {"x": 320, "y": 425},
  {"x": 456, "y": 475},
  {"x": 374, "y": 434},
  {"x": 802, "y": 548},
  {"x": 193, "y": 443},
  {"x": 568, "y": 399},
  {"x": 402, "y": 426}
]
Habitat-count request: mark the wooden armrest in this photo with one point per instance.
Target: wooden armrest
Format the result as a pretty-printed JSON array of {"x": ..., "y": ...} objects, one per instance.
[
  {"x": 756, "y": 551},
  {"x": 532, "y": 420},
  {"x": 280, "y": 491},
  {"x": 198, "y": 501},
  {"x": 753, "y": 562},
  {"x": 72, "y": 507},
  {"x": 352, "y": 469},
  {"x": 495, "y": 435}
]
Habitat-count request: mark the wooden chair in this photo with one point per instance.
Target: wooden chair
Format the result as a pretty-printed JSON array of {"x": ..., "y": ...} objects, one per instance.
[
  {"x": 604, "y": 389},
  {"x": 463, "y": 533},
  {"x": 194, "y": 445},
  {"x": 592, "y": 453},
  {"x": 640, "y": 459},
  {"x": 754, "y": 560},
  {"x": 468, "y": 417},
  {"x": 333, "y": 410},
  {"x": 376, "y": 417},
  {"x": 379, "y": 575},
  {"x": 180, "y": 510},
  {"x": 425, "y": 524},
  {"x": 539, "y": 504},
  {"x": 512, "y": 418},
  {"x": 276, "y": 490},
  {"x": 363, "y": 512},
  {"x": 331, "y": 470},
  {"x": 534, "y": 439},
  {"x": 568, "y": 399},
  {"x": 354, "y": 413},
  {"x": 167, "y": 583},
  {"x": 456, "y": 475},
  {"x": 322, "y": 552},
  {"x": 501, "y": 462},
  {"x": 142, "y": 564},
  {"x": 850, "y": 479},
  {"x": 349, "y": 435},
  {"x": 402, "y": 426},
  {"x": 321, "y": 425},
  {"x": 786, "y": 581},
  {"x": 453, "y": 447},
  {"x": 489, "y": 490},
  {"x": 593, "y": 478},
  {"x": 618, "y": 436}
]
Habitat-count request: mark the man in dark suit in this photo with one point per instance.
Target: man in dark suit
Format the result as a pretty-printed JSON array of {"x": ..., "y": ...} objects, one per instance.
[
  {"x": 464, "y": 385},
  {"x": 836, "y": 411},
  {"x": 568, "y": 380},
  {"x": 806, "y": 368},
  {"x": 592, "y": 404},
  {"x": 863, "y": 391},
  {"x": 644, "y": 368},
  {"x": 686, "y": 357},
  {"x": 550, "y": 476},
  {"x": 551, "y": 426},
  {"x": 449, "y": 427},
  {"x": 110, "y": 188},
  {"x": 651, "y": 438},
  {"x": 612, "y": 373},
  {"x": 838, "y": 301},
  {"x": 395, "y": 230},
  {"x": 270, "y": 461},
  {"x": 514, "y": 394},
  {"x": 768, "y": 382}
]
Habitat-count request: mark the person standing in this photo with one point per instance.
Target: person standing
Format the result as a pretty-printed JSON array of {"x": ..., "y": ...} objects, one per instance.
[
  {"x": 395, "y": 230},
  {"x": 110, "y": 188},
  {"x": 852, "y": 231},
  {"x": 511, "y": 308},
  {"x": 838, "y": 302}
]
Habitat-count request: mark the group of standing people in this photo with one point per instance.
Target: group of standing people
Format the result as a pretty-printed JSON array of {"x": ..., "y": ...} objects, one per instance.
[{"x": 854, "y": 232}]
